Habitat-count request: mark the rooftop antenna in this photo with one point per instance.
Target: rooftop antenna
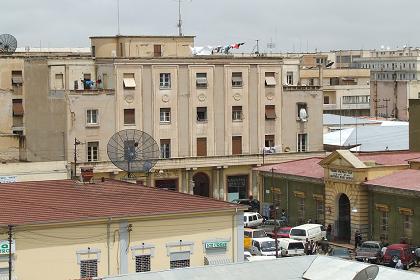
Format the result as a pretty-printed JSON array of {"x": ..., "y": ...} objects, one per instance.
[
  {"x": 118, "y": 17},
  {"x": 179, "y": 19}
]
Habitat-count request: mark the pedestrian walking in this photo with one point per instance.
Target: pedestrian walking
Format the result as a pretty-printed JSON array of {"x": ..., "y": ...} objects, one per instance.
[
  {"x": 399, "y": 265},
  {"x": 306, "y": 248},
  {"x": 357, "y": 239},
  {"x": 329, "y": 231},
  {"x": 311, "y": 247}
]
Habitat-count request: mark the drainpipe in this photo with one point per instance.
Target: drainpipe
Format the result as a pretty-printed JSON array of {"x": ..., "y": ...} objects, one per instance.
[{"x": 108, "y": 236}]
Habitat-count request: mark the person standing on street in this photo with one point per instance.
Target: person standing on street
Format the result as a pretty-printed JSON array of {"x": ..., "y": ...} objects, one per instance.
[
  {"x": 399, "y": 265},
  {"x": 357, "y": 239},
  {"x": 306, "y": 248},
  {"x": 417, "y": 255}
]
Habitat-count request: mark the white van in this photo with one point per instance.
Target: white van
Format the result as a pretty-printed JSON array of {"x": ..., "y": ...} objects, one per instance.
[
  {"x": 263, "y": 247},
  {"x": 252, "y": 219},
  {"x": 312, "y": 232},
  {"x": 291, "y": 247}
]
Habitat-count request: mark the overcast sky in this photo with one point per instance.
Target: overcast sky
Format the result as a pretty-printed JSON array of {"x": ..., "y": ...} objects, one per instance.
[{"x": 298, "y": 25}]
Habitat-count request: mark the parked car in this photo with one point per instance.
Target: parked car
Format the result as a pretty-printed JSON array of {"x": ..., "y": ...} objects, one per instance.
[
  {"x": 314, "y": 232},
  {"x": 283, "y": 232},
  {"x": 250, "y": 234},
  {"x": 291, "y": 247},
  {"x": 342, "y": 253},
  {"x": 252, "y": 219},
  {"x": 397, "y": 252},
  {"x": 263, "y": 247},
  {"x": 369, "y": 251}
]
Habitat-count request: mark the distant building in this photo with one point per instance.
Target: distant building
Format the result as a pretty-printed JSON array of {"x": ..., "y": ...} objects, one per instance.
[
  {"x": 65, "y": 229},
  {"x": 375, "y": 193},
  {"x": 395, "y": 76}
]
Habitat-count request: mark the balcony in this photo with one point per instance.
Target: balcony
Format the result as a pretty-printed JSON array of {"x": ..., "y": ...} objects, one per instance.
[
  {"x": 300, "y": 88},
  {"x": 93, "y": 91}
]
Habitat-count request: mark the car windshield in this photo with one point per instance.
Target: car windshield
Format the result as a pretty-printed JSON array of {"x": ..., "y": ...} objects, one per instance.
[
  {"x": 284, "y": 231},
  {"x": 369, "y": 246},
  {"x": 393, "y": 252},
  {"x": 260, "y": 234},
  {"x": 268, "y": 246},
  {"x": 340, "y": 252},
  {"x": 296, "y": 245},
  {"x": 298, "y": 232}
]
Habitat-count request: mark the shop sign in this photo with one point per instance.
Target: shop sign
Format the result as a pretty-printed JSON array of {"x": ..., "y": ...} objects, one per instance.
[
  {"x": 341, "y": 174},
  {"x": 4, "y": 247},
  {"x": 216, "y": 245},
  {"x": 7, "y": 179}
]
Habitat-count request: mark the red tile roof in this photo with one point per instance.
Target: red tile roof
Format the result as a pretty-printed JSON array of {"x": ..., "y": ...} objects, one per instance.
[
  {"x": 408, "y": 179},
  {"x": 389, "y": 158},
  {"x": 67, "y": 200},
  {"x": 304, "y": 167}
]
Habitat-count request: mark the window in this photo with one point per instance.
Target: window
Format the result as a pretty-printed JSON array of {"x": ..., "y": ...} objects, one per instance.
[
  {"x": 59, "y": 81},
  {"x": 88, "y": 268},
  {"x": 202, "y": 147},
  {"x": 407, "y": 226},
  {"x": 17, "y": 78},
  {"x": 301, "y": 209},
  {"x": 270, "y": 79},
  {"x": 302, "y": 111},
  {"x": 157, "y": 50},
  {"x": 201, "y": 80},
  {"x": 236, "y": 145},
  {"x": 383, "y": 224},
  {"x": 270, "y": 112},
  {"x": 87, "y": 81},
  {"x": 143, "y": 263},
  {"x": 302, "y": 142},
  {"x": 179, "y": 259},
  {"x": 92, "y": 116},
  {"x": 165, "y": 80},
  {"x": 335, "y": 81},
  {"x": 319, "y": 211},
  {"x": 129, "y": 116},
  {"x": 236, "y": 79},
  {"x": 326, "y": 99},
  {"x": 180, "y": 264},
  {"x": 419, "y": 95},
  {"x": 201, "y": 114},
  {"x": 289, "y": 78},
  {"x": 17, "y": 107},
  {"x": 236, "y": 113},
  {"x": 311, "y": 82},
  {"x": 92, "y": 151},
  {"x": 165, "y": 115},
  {"x": 361, "y": 99},
  {"x": 165, "y": 148},
  {"x": 269, "y": 141},
  {"x": 129, "y": 81}
]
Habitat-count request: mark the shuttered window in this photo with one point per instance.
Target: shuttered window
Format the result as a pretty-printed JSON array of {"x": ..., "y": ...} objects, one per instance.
[
  {"x": 236, "y": 145},
  {"x": 88, "y": 269},
  {"x": 270, "y": 112},
  {"x": 17, "y": 107},
  {"x": 129, "y": 116},
  {"x": 202, "y": 147}
]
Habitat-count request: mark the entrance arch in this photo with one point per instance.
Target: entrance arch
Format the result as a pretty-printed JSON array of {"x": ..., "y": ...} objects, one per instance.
[
  {"x": 344, "y": 227},
  {"x": 201, "y": 184}
]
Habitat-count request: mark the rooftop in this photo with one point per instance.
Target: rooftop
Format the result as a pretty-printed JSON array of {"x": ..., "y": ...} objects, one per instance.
[
  {"x": 68, "y": 200},
  {"x": 332, "y": 119},
  {"x": 405, "y": 180}
]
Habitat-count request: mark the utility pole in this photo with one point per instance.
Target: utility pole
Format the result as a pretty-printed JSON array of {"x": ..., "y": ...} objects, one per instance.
[
  {"x": 386, "y": 100},
  {"x": 258, "y": 47},
  {"x": 76, "y": 142},
  {"x": 375, "y": 100},
  {"x": 118, "y": 17},
  {"x": 10, "y": 251},
  {"x": 275, "y": 213}
]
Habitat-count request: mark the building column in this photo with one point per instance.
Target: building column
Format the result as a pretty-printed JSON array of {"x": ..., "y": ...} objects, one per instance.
[
  {"x": 254, "y": 185},
  {"x": 222, "y": 193},
  {"x": 215, "y": 182},
  {"x": 184, "y": 181},
  {"x": 123, "y": 250},
  {"x": 189, "y": 182}
]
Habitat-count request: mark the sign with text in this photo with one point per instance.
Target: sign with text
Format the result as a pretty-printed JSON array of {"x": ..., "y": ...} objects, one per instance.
[
  {"x": 341, "y": 174},
  {"x": 7, "y": 179},
  {"x": 216, "y": 245},
  {"x": 4, "y": 247}
]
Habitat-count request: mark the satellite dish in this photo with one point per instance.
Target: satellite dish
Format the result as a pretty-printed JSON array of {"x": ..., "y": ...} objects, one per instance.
[
  {"x": 133, "y": 150},
  {"x": 8, "y": 44},
  {"x": 329, "y": 64},
  {"x": 369, "y": 273}
]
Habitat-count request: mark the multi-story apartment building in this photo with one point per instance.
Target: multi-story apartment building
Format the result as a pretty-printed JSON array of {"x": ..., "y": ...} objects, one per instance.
[
  {"x": 345, "y": 91},
  {"x": 211, "y": 116},
  {"x": 395, "y": 76}
]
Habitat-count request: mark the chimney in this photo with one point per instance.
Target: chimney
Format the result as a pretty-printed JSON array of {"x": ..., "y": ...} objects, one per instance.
[{"x": 87, "y": 174}]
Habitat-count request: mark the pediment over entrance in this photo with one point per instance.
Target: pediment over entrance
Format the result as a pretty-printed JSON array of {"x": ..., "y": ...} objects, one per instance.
[{"x": 342, "y": 158}]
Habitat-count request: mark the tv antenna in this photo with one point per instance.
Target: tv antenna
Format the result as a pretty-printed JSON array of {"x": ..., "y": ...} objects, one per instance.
[
  {"x": 179, "y": 24},
  {"x": 118, "y": 17},
  {"x": 133, "y": 150},
  {"x": 8, "y": 44}
]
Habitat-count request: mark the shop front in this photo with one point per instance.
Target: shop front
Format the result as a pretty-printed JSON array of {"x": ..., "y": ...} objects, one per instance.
[{"x": 216, "y": 251}]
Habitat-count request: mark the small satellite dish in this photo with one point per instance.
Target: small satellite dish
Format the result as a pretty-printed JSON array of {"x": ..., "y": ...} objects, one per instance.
[
  {"x": 329, "y": 64},
  {"x": 133, "y": 150},
  {"x": 369, "y": 273},
  {"x": 8, "y": 44}
]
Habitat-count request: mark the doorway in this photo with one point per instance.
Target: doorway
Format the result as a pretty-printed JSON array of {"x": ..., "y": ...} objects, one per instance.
[
  {"x": 201, "y": 184},
  {"x": 344, "y": 228}
]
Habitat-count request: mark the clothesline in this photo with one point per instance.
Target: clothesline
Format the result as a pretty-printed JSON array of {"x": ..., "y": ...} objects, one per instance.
[{"x": 209, "y": 50}]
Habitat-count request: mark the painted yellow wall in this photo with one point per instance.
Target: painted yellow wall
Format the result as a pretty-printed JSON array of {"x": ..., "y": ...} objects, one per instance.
[{"x": 48, "y": 252}]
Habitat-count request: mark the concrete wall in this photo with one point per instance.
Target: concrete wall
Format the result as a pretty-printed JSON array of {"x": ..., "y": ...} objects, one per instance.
[
  {"x": 35, "y": 171},
  {"x": 45, "y": 115},
  {"x": 50, "y": 252}
]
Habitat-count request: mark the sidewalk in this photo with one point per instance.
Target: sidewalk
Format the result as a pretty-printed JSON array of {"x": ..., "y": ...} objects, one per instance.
[{"x": 342, "y": 245}]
